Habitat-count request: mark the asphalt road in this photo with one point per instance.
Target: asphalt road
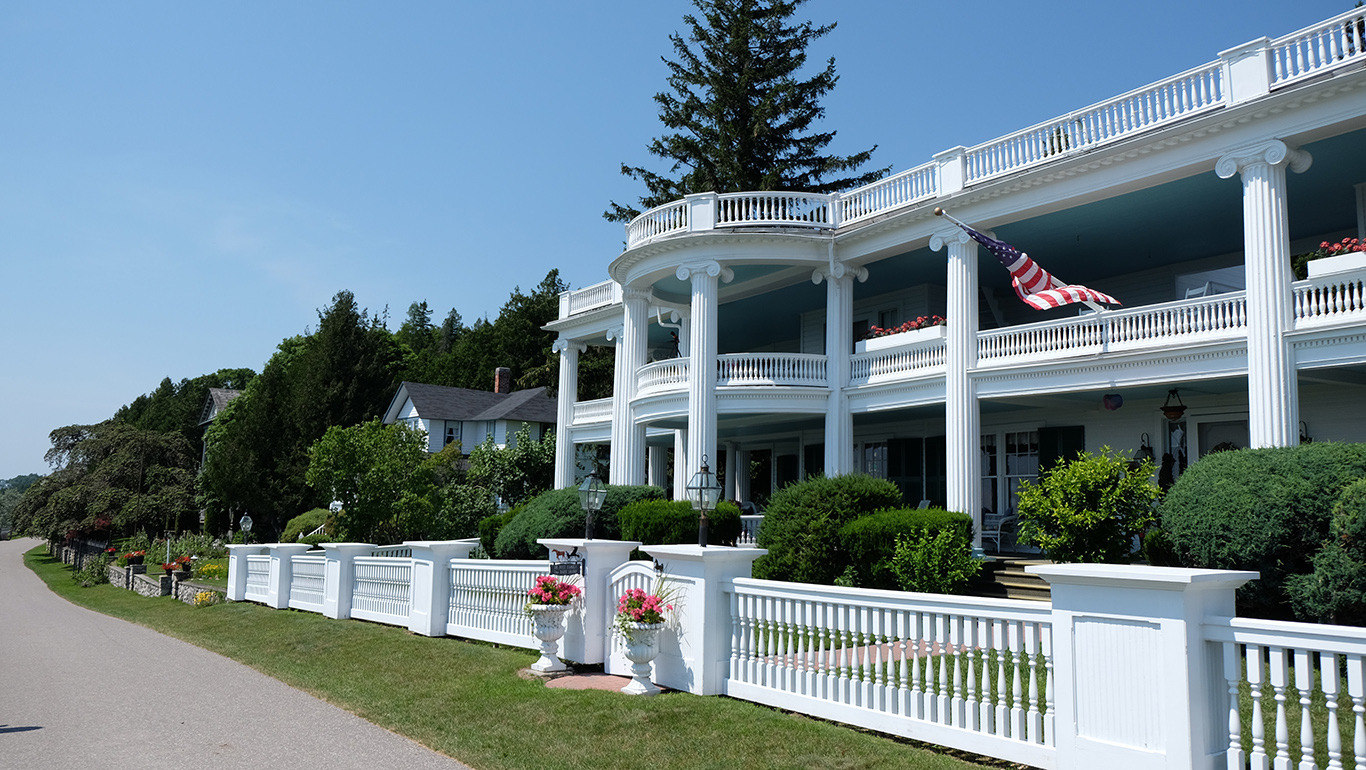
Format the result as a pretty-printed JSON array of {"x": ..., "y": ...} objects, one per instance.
[{"x": 63, "y": 667}]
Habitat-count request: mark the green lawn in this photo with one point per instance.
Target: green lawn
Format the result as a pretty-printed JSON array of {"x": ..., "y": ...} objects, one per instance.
[{"x": 466, "y": 699}]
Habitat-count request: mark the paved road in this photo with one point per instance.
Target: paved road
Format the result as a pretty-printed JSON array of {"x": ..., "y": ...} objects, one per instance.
[{"x": 62, "y": 666}]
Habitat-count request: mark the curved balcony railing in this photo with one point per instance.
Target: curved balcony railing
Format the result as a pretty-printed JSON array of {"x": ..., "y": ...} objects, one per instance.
[
  {"x": 669, "y": 374},
  {"x": 660, "y": 220},
  {"x": 801, "y": 369},
  {"x": 897, "y": 363},
  {"x": 785, "y": 209},
  {"x": 598, "y": 410}
]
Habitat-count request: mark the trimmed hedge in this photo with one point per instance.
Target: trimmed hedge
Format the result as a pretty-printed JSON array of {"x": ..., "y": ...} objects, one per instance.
[
  {"x": 303, "y": 524},
  {"x": 1260, "y": 509},
  {"x": 490, "y": 526},
  {"x": 664, "y": 522},
  {"x": 801, "y": 528},
  {"x": 556, "y": 513},
  {"x": 1335, "y": 592},
  {"x": 871, "y": 540}
]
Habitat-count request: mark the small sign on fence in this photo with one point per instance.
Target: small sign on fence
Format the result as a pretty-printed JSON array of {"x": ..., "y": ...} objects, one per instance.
[{"x": 562, "y": 563}]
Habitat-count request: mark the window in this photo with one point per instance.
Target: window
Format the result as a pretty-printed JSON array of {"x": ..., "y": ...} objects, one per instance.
[
  {"x": 888, "y": 319},
  {"x": 1022, "y": 462},
  {"x": 875, "y": 459},
  {"x": 452, "y": 432}
]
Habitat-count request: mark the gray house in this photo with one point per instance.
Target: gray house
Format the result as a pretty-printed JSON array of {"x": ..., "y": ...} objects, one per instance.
[{"x": 469, "y": 416}]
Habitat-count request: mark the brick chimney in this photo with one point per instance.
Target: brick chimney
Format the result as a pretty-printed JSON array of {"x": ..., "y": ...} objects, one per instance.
[{"x": 502, "y": 380}]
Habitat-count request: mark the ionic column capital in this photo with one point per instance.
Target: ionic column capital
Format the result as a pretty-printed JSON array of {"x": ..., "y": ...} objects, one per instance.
[
  {"x": 947, "y": 235},
  {"x": 840, "y": 270},
  {"x": 564, "y": 344},
  {"x": 617, "y": 333},
  {"x": 711, "y": 268},
  {"x": 634, "y": 293},
  {"x": 1273, "y": 153}
]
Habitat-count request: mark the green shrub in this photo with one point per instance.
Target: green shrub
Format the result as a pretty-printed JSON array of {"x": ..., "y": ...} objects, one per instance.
[
  {"x": 463, "y": 507},
  {"x": 94, "y": 570},
  {"x": 1335, "y": 592},
  {"x": 871, "y": 540},
  {"x": 1260, "y": 509},
  {"x": 318, "y": 539},
  {"x": 1089, "y": 509},
  {"x": 556, "y": 513},
  {"x": 490, "y": 526},
  {"x": 802, "y": 525},
  {"x": 303, "y": 524},
  {"x": 934, "y": 562},
  {"x": 656, "y": 522}
]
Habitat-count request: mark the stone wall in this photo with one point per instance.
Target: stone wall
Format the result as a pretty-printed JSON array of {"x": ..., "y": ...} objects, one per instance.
[
  {"x": 185, "y": 590},
  {"x": 148, "y": 585},
  {"x": 119, "y": 576}
]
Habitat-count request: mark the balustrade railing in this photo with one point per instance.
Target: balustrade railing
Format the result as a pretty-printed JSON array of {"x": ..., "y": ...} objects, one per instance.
[
  {"x": 1193, "y": 320},
  {"x": 383, "y": 589},
  {"x": 307, "y": 582},
  {"x": 770, "y": 369},
  {"x": 1329, "y": 298},
  {"x": 488, "y": 597},
  {"x": 661, "y": 220},
  {"x": 598, "y": 295},
  {"x": 597, "y": 410},
  {"x": 1281, "y": 670},
  {"x": 916, "y": 184},
  {"x": 1314, "y": 49},
  {"x": 749, "y": 530},
  {"x": 669, "y": 374},
  {"x": 897, "y": 363},
  {"x": 976, "y": 674},
  {"x": 792, "y": 209},
  {"x": 399, "y": 551},
  {"x": 258, "y": 577}
]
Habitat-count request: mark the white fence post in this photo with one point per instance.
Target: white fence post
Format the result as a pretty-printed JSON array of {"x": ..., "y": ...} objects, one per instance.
[
  {"x": 694, "y": 652},
  {"x": 340, "y": 576},
  {"x": 282, "y": 572},
  {"x": 237, "y": 569},
  {"x": 585, "y": 636},
  {"x": 1247, "y": 69},
  {"x": 431, "y": 586},
  {"x": 1137, "y": 685}
]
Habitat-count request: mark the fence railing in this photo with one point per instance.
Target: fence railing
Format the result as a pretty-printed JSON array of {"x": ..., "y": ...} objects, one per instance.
[
  {"x": 1314, "y": 49},
  {"x": 307, "y": 582},
  {"x": 749, "y": 530},
  {"x": 258, "y": 577},
  {"x": 975, "y": 674},
  {"x": 392, "y": 551},
  {"x": 383, "y": 589},
  {"x": 1282, "y": 669},
  {"x": 487, "y": 600}
]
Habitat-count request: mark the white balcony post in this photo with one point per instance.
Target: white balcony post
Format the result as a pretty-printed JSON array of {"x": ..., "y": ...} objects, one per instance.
[
  {"x": 742, "y": 474},
  {"x": 962, "y": 412},
  {"x": 282, "y": 572},
  {"x": 694, "y": 652},
  {"x": 237, "y": 569},
  {"x": 339, "y": 576},
  {"x": 569, "y": 351},
  {"x": 731, "y": 449},
  {"x": 705, "y": 278},
  {"x": 1272, "y": 384},
  {"x": 1247, "y": 70},
  {"x": 621, "y": 406},
  {"x": 701, "y": 211},
  {"x": 681, "y": 464},
  {"x": 585, "y": 636},
  {"x": 635, "y": 330},
  {"x": 658, "y": 460},
  {"x": 952, "y": 170},
  {"x": 839, "y": 346},
  {"x": 1138, "y": 686},
  {"x": 431, "y": 586}
]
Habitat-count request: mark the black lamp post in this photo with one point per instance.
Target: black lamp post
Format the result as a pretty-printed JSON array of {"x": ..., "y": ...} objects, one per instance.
[
  {"x": 591, "y": 494},
  {"x": 703, "y": 491}
]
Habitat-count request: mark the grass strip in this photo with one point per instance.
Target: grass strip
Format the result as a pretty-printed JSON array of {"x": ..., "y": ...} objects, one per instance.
[{"x": 466, "y": 700}]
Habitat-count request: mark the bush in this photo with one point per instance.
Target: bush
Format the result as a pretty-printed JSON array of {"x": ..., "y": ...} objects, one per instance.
[
  {"x": 658, "y": 522},
  {"x": 463, "y": 507},
  {"x": 1089, "y": 509},
  {"x": 304, "y": 524},
  {"x": 556, "y": 513},
  {"x": 871, "y": 541},
  {"x": 94, "y": 570},
  {"x": 1260, "y": 509},
  {"x": 802, "y": 525},
  {"x": 1335, "y": 592},
  {"x": 934, "y": 562},
  {"x": 490, "y": 526},
  {"x": 317, "y": 540}
]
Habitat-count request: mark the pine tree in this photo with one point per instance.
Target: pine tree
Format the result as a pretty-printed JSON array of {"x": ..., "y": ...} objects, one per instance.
[{"x": 741, "y": 116}]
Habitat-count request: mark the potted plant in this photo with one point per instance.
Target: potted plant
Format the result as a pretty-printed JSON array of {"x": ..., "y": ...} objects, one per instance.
[
  {"x": 135, "y": 557},
  {"x": 1347, "y": 254},
  {"x": 169, "y": 567},
  {"x": 923, "y": 328},
  {"x": 183, "y": 563},
  {"x": 550, "y": 599},
  {"x": 639, "y": 619}
]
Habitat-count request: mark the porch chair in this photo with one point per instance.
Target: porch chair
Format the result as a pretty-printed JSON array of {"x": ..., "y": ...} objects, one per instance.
[{"x": 999, "y": 528}]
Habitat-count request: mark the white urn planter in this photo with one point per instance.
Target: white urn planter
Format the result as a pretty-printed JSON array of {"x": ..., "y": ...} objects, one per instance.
[
  {"x": 642, "y": 645},
  {"x": 547, "y": 625},
  {"x": 902, "y": 339},
  {"x": 1354, "y": 260}
]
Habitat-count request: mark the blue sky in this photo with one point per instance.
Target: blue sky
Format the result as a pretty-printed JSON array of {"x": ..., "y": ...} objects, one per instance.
[{"x": 182, "y": 185}]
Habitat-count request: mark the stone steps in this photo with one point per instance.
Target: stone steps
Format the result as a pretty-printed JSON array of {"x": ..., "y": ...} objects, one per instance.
[{"x": 1005, "y": 577}]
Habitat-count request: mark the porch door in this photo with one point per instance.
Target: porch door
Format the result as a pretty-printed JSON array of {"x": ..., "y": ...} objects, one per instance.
[
  {"x": 1060, "y": 445},
  {"x": 905, "y": 468}
]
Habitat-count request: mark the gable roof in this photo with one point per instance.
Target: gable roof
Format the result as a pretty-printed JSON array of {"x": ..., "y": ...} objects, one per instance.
[
  {"x": 218, "y": 398},
  {"x": 440, "y": 402}
]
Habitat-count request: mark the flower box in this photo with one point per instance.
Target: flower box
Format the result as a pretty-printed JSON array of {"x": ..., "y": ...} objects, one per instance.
[
  {"x": 903, "y": 339},
  {"x": 1353, "y": 260}
]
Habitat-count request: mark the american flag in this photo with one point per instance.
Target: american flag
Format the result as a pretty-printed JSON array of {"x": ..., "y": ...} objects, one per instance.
[{"x": 1034, "y": 285}]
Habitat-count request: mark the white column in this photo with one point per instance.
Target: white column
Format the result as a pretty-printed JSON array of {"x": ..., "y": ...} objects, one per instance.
[
  {"x": 282, "y": 572},
  {"x": 742, "y": 475},
  {"x": 569, "y": 351},
  {"x": 681, "y": 464},
  {"x": 237, "y": 569},
  {"x": 1137, "y": 685},
  {"x": 621, "y": 407},
  {"x": 658, "y": 457},
  {"x": 431, "y": 582},
  {"x": 635, "y": 334},
  {"x": 339, "y": 575},
  {"x": 1361, "y": 210},
  {"x": 839, "y": 346},
  {"x": 1272, "y": 385},
  {"x": 962, "y": 413},
  {"x": 731, "y": 448},
  {"x": 705, "y": 278}
]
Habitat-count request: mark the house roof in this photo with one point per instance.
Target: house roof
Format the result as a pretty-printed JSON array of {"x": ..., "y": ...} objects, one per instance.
[
  {"x": 439, "y": 402},
  {"x": 213, "y": 405}
]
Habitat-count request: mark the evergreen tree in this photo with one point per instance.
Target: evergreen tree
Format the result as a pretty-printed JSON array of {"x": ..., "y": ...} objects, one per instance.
[{"x": 741, "y": 116}]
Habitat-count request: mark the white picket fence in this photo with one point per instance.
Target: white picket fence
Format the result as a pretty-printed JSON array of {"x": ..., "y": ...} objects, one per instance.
[{"x": 1041, "y": 684}]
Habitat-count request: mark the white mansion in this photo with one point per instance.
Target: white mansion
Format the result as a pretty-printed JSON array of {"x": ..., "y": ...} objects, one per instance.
[{"x": 1185, "y": 200}]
